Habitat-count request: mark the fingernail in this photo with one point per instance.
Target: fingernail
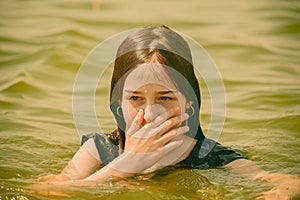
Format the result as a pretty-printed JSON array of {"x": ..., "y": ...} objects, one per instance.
[
  {"x": 186, "y": 116},
  {"x": 184, "y": 129},
  {"x": 187, "y": 128},
  {"x": 140, "y": 111}
]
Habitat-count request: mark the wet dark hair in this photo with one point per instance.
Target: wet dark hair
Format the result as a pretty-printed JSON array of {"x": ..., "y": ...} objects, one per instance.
[{"x": 169, "y": 49}]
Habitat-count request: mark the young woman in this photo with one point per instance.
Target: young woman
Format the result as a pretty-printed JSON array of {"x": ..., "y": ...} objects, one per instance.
[{"x": 155, "y": 99}]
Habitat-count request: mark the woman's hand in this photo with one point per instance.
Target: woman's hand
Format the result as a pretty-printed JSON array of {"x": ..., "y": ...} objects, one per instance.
[
  {"x": 146, "y": 145},
  {"x": 156, "y": 134},
  {"x": 53, "y": 178}
]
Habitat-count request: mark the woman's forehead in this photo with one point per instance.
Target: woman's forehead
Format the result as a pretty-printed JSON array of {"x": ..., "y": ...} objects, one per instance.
[{"x": 149, "y": 73}]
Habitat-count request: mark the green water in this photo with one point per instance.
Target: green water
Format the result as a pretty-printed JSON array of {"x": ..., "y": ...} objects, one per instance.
[{"x": 255, "y": 44}]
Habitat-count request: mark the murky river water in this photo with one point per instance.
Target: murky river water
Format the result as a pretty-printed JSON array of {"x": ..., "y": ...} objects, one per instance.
[{"x": 255, "y": 45}]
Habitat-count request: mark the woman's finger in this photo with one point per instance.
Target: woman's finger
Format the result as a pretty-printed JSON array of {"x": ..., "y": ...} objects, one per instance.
[
  {"x": 166, "y": 115},
  {"x": 168, "y": 137},
  {"x": 136, "y": 123},
  {"x": 169, "y": 147},
  {"x": 157, "y": 129},
  {"x": 173, "y": 122}
]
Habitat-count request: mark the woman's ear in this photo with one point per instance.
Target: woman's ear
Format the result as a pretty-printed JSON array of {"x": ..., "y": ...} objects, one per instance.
[{"x": 120, "y": 102}]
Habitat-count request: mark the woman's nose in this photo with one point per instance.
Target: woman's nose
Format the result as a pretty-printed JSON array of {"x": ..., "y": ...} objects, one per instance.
[{"x": 153, "y": 111}]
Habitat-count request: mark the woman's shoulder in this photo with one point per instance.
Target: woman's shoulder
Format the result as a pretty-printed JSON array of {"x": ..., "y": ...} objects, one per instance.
[
  {"x": 113, "y": 137},
  {"x": 106, "y": 147},
  {"x": 211, "y": 154}
]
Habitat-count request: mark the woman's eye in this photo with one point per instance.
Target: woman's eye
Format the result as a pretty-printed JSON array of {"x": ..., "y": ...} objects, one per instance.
[
  {"x": 135, "y": 98},
  {"x": 165, "y": 98}
]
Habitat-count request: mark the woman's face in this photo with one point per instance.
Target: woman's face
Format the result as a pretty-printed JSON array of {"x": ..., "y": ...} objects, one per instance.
[{"x": 150, "y": 88}]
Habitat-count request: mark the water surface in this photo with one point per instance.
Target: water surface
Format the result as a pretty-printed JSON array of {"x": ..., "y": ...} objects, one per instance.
[{"x": 255, "y": 44}]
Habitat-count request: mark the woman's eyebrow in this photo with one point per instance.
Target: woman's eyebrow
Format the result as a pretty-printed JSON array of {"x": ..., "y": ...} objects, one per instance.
[
  {"x": 159, "y": 92},
  {"x": 132, "y": 91},
  {"x": 167, "y": 92}
]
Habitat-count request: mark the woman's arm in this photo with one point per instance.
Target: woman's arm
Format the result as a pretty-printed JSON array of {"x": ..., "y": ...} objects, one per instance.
[
  {"x": 246, "y": 168},
  {"x": 286, "y": 187},
  {"x": 82, "y": 169},
  {"x": 82, "y": 165}
]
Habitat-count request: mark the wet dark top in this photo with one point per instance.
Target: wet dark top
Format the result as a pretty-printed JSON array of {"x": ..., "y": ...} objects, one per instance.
[{"x": 206, "y": 153}]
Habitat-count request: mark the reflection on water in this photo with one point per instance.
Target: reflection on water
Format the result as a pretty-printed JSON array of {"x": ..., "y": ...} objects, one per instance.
[{"x": 43, "y": 43}]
